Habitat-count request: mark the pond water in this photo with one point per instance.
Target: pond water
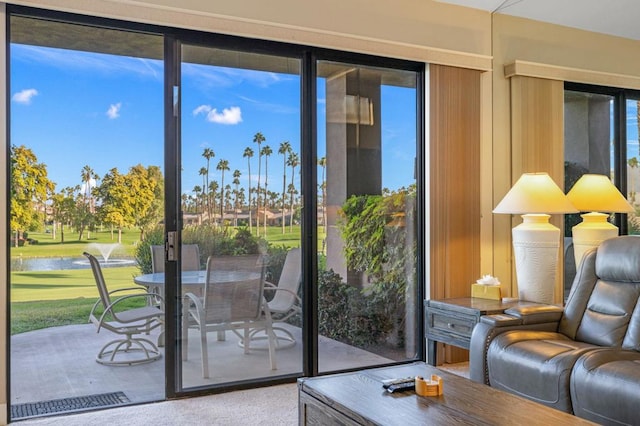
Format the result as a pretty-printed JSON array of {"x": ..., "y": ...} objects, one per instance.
[{"x": 61, "y": 263}]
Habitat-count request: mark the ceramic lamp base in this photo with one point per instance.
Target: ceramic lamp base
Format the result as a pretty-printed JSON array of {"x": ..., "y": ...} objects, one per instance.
[
  {"x": 594, "y": 229},
  {"x": 536, "y": 243}
]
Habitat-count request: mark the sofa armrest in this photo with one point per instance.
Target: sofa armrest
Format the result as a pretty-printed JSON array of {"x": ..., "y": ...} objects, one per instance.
[
  {"x": 525, "y": 317},
  {"x": 536, "y": 313}
]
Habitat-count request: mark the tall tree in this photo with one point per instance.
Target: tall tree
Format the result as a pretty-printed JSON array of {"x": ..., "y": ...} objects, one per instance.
[
  {"x": 213, "y": 193},
  {"x": 322, "y": 162},
  {"x": 284, "y": 150},
  {"x": 115, "y": 208},
  {"x": 128, "y": 199},
  {"x": 208, "y": 154},
  {"x": 86, "y": 209},
  {"x": 248, "y": 154},
  {"x": 151, "y": 187},
  {"x": 266, "y": 151},
  {"x": 205, "y": 199},
  {"x": 227, "y": 197},
  {"x": 258, "y": 138},
  {"x": 29, "y": 188},
  {"x": 198, "y": 191},
  {"x": 236, "y": 193},
  {"x": 222, "y": 166},
  {"x": 292, "y": 162},
  {"x": 63, "y": 206}
]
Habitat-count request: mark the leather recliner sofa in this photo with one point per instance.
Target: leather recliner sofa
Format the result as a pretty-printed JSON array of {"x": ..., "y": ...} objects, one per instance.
[{"x": 583, "y": 359}]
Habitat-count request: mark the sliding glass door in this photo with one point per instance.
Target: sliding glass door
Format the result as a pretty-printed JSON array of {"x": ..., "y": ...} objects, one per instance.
[
  {"x": 367, "y": 289},
  {"x": 240, "y": 206}
]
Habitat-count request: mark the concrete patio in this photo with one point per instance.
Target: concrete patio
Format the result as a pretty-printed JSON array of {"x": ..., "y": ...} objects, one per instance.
[{"x": 59, "y": 362}]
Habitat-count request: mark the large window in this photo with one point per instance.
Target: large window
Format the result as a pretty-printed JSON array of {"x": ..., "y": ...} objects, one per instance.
[
  {"x": 601, "y": 137},
  {"x": 262, "y": 195}
]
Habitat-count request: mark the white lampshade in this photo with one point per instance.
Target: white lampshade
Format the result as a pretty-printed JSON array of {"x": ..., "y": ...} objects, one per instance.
[
  {"x": 596, "y": 193},
  {"x": 536, "y": 242},
  {"x": 535, "y": 193}
]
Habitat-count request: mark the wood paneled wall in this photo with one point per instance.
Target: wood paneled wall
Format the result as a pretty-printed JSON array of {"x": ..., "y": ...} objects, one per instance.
[
  {"x": 537, "y": 142},
  {"x": 454, "y": 163},
  {"x": 454, "y": 180}
]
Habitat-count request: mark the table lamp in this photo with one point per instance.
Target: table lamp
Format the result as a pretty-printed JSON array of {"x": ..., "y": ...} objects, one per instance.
[
  {"x": 598, "y": 195},
  {"x": 536, "y": 242}
]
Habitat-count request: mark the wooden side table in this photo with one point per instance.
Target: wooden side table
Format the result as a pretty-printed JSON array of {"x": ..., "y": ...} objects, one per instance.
[{"x": 451, "y": 321}]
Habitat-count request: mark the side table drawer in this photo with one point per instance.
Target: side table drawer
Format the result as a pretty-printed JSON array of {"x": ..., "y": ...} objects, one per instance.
[
  {"x": 445, "y": 322},
  {"x": 450, "y": 327}
]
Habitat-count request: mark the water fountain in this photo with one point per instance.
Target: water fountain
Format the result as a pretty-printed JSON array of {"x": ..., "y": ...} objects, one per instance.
[{"x": 104, "y": 249}]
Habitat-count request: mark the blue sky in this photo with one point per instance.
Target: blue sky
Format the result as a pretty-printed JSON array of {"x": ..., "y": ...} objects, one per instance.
[{"x": 76, "y": 108}]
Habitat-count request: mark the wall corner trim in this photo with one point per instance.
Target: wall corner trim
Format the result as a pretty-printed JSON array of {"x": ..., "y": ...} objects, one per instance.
[{"x": 576, "y": 75}]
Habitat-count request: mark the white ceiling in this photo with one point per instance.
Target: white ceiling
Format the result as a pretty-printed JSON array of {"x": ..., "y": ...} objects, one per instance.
[{"x": 618, "y": 17}]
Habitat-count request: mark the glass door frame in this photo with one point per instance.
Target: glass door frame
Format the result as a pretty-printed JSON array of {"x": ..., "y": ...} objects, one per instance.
[
  {"x": 309, "y": 56},
  {"x": 173, "y": 96},
  {"x": 308, "y": 149}
]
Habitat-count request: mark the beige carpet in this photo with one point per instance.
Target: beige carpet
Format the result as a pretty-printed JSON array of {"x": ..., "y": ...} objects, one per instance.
[{"x": 275, "y": 405}]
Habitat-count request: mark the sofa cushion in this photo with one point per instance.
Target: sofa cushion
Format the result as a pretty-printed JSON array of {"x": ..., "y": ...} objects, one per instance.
[
  {"x": 604, "y": 295},
  {"x": 606, "y": 319},
  {"x": 605, "y": 386},
  {"x": 536, "y": 365}
]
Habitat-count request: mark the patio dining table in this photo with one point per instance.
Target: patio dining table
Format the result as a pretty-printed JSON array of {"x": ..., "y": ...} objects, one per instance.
[{"x": 193, "y": 282}]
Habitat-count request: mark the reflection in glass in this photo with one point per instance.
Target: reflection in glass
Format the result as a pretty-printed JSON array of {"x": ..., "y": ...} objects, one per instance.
[
  {"x": 367, "y": 264},
  {"x": 588, "y": 148}
]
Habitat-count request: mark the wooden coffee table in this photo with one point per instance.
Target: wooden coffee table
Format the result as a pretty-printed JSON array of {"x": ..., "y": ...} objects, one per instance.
[{"x": 359, "y": 399}]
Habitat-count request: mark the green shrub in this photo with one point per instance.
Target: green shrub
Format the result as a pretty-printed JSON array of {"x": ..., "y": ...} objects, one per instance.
[
  {"x": 143, "y": 248},
  {"x": 348, "y": 315},
  {"x": 211, "y": 240},
  {"x": 276, "y": 256}
]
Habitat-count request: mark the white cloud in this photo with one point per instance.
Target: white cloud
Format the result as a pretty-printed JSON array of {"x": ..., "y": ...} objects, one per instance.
[
  {"x": 231, "y": 115},
  {"x": 202, "y": 109},
  {"x": 24, "y": 96},
  {"x": 114, "y": 111}
]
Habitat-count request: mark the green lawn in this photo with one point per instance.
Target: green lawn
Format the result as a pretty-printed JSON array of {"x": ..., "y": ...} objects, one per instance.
[
  {"x": 67, "y": 284},
  {"x": 48, "y": 247},
  {"x": 41, "y": 299}
]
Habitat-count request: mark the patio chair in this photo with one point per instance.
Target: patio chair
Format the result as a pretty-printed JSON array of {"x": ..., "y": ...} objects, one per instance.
[
  {"x": 127, "y": 350},
  {"x": 285, "y": 302},
  {"x": 233, "y": 299},
  {"x": 190, "y": 258}
]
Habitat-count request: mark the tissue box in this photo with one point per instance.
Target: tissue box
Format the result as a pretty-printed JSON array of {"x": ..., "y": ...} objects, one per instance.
[{"x": 484, "y": 291}]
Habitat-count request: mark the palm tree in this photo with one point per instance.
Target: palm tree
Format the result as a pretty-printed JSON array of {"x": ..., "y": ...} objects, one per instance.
[
  {"x": 208, "y": 154},
  {"x": 87, "y": 174},
  {"x": 266, "y": 151},
  {"x": 236, "y": 192},
  {"x": 197, "y": 190},
  {"x": 248, "y": 153},
  {"x": 322, "y": 162},
  {"x": 222, "y": 166},
  {"x": 258, "y": 138},
  {"x": 203, "y": 172},
  {"x": 284, "y": 149},
  {"x": 292, "y": 162},
  {"x": 213, "y": 190},
  {"x": 227, "y": 197}
]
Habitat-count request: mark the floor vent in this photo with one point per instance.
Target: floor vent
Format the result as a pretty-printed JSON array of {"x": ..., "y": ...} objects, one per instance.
[{"x": 33, "y": 409}]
